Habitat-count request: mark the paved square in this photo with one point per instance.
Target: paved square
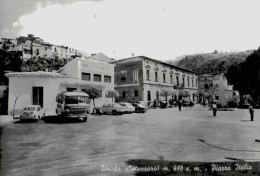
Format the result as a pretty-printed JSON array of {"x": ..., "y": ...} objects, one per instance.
[{"x": 52, "y": 147}]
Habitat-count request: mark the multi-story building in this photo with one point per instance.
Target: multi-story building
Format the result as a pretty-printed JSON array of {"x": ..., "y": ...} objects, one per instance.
[
  {"x": 143, "y": 79},
  {"x": 41, "y": 88},
  {"x": 218, "y": 88},
  {"x": 33, "y": 47}
]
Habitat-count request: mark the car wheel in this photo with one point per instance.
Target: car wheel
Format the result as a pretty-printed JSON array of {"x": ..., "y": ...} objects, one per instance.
[
  {"x": 85, "y": 119},
  {"x": 114, "y": 112},
  {"x": 138, "y": 110}
]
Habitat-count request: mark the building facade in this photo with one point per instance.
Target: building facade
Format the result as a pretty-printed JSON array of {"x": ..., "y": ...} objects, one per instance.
[
  {"x": 41, "y": 88},
  {"x": 218, "y": 88},
  {"x": 145, "y": 79}
]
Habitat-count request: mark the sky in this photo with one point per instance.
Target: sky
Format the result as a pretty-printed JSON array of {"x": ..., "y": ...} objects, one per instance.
[{"x": 159, "y": 29}]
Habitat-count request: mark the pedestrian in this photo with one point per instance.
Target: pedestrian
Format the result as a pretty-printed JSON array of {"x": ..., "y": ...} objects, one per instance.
[
  {"x": 251, "y": 111},
  {"x": 214, "y": 107},
  {"x": 180, "y": 104},
  {"x": 204, "y": 103}
]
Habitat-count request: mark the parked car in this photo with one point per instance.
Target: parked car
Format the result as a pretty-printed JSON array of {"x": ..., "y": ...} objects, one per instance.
[
  {"x": 32, "y": 112},
  {"x": 141, "y": 102},
  {"x": 140, "y": 107},
  {"x": 113, "y": 108},
  {"x": 129, "y": 108},
  {"x": 97, "y": 111},
  {"x": 187, "y": 103}
]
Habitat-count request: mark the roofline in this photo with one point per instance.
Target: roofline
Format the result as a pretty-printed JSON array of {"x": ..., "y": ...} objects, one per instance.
[
  {"x": 83, "y": 59},
  {"x": 164, "y": 63}
]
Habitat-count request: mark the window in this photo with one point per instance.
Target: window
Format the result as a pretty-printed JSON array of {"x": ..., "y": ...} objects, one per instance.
[
  {"x": 97, "y": 77},
  {"x": 217, "y": 97},
  {"x": 206, "y": 86},
  {"x": 38, "y": 96},
  {"x": 196, "y": 82},
  {"x": 85, "y": 76},
  {"x": 183, "y": 81},
  {"x": 171, "y": 81},
  {"x": 192, "y": 82},
  {"x": 177, "y": 79},
  {"x": 156, "y": 76},
  {"x": 107, "y": 79},
  {"x": 135, "y": 76},
  {"x": 148, "y": 96},
  {"x": 123, "y": 79},
  {"x": 164, "y": 78},
  {"x": 69, "y": 89},
  {"x": 147, "y": 74},
  {"x": 188, "y": 80},
  {"x": 136, "y": 93},
  {"x": 123, "y": 96}
]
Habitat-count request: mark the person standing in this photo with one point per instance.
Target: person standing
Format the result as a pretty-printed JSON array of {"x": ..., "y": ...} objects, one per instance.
[
  {"x": 251, "y": 111},
  {"x": 214, "y": 107},
  {"x": 180, "y": 104}
]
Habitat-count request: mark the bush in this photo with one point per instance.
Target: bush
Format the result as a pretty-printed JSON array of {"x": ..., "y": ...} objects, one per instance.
[{"x": 232, "y": 104}]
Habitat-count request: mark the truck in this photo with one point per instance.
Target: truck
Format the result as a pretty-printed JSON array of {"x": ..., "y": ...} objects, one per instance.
[{"x": 73, "y": 105}]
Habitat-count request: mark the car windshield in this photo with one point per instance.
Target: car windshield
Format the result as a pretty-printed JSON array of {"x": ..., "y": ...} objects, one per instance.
[
  {"x": 124, "y": 105},
  {"x": 29, "y": 108}
]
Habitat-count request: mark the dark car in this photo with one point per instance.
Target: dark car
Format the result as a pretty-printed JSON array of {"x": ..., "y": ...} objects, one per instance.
[
  {"x": 139, "y": 107},
  {"x": 187, "y": 103},
  {"x": 97, "y": 111}
]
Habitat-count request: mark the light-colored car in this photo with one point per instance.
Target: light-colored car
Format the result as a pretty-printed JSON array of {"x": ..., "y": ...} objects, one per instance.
[
  {"x": 129, "y": 108},
  {"x": 34, "y": 112},
  {"x": 140, "y": 107},
  {"x": 113, "y": 108}
]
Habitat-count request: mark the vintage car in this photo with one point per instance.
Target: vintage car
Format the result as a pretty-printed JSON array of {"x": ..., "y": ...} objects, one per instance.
[
  {"x": 139, "y": 107},
  {"x": 34, "y": 112},
  {"x": 113, "y": 108},
  {"x": 129, "y": 108}
]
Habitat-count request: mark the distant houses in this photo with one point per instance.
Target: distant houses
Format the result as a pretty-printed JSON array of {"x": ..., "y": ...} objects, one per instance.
[{"x": 35, "y": 47}]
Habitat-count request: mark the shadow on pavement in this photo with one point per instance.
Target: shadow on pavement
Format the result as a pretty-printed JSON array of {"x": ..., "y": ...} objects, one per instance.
[
  {"x": 221, "y": 148},
  {"x": 142, "y": 167},
  {"x": 57, "y": 120},
  {"x": 25, "y": 121},
  {"x": 245, "y": 120}
]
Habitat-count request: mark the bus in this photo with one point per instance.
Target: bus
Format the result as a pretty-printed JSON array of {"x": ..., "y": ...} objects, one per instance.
[{"x": 73, "y": 105}]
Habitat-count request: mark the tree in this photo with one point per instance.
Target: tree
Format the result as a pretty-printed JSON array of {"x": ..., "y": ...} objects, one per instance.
[
  {"x": 165, "y": 93},
  {"x": 112, "y": 94},
  {"x": 184, "y": 93},
  {"x": 93, "y": 94},
  {"x": 245, "y": 77}
]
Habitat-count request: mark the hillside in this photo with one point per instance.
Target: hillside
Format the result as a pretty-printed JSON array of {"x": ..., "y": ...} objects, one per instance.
[{"x": 211, "y": 63}]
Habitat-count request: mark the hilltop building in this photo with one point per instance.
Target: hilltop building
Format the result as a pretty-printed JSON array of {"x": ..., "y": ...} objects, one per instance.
[
  {"x": 34, "y": 47},
  {"x": 143, "y": 79}
]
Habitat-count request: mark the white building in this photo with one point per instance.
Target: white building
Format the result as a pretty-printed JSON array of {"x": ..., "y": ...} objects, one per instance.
[
  {"x": 41, "y": 88},
  {"x": 223, "y": 91}
]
